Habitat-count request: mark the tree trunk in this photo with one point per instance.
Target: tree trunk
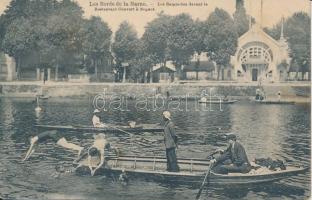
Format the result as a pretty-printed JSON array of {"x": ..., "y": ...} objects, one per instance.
[
  {"x": 18, "y": 70},
  {"x": 151, "y": 75},
  {"x": 218, "y": 71},
  {"x": 56, "y": 72},
  {"x": 124, "y": 75},
  {"x": 95, "y": 70}
]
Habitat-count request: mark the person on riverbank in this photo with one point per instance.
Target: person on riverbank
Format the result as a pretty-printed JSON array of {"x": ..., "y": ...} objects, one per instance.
[
  {"x": 233, "y": 159},
  {"x": 96, "y": 119},
  {"x": 170, "y": 140},
  {"x": 54, "y": 135}
]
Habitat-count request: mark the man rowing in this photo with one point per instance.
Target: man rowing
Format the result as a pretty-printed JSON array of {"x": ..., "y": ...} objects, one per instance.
[
  {"x": 233, "y": 159},
  {"x": 96, "y": 119},
  {"x": 54, "y": 135},
  {"x": 170, "y": 140}
]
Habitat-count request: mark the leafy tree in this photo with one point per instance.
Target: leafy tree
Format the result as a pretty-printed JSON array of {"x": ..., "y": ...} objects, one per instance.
[
  {"x": 141, "y": 64},
  {"x": 96, "y": 41},
  {"x": 126, "y": 40},
  {"x": 180, "y": 40},
  {"x": 155, "y": 37},
  {"x": 220, "y": 39},
  {"x": 241, "y": 21},
  {"x": 297, "y": 32},
  {"x": 198, "y": 41},
  {"x": 18, "y": 40}
]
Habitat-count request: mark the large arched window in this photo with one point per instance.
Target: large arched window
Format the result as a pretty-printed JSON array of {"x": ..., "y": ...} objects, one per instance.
[{"x": 255, "y": 52}]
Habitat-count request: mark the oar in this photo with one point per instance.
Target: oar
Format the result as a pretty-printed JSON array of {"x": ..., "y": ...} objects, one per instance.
[
  {"x": 118, "y": 129},
  {"x": 203, "y": 183},
  {"x": 206, "y": 176}
]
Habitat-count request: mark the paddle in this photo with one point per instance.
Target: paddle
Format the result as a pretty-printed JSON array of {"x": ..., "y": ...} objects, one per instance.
[
  {"x": 203, "y": 183},
  {"x": 206, "y": 176}
]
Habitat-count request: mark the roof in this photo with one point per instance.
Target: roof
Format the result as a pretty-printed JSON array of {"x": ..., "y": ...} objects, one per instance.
[
  {"x": 202, "y": 66},
  {"x": 167, "y": 67}
]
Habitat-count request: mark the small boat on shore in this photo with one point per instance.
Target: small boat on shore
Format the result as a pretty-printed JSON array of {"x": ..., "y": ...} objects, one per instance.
[
  {"x": 192, "y": 171},
  {"x": 109, "y": 128}
]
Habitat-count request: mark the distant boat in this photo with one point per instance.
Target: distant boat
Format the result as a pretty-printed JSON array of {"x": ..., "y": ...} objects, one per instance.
[
  {"x": 192, "y": 170},
  {"x": 109, "y": 128},
  {"x": 43, "y": 97},
  {"x": 216, "y": 101},
  {"x": 273, "y": 101}
]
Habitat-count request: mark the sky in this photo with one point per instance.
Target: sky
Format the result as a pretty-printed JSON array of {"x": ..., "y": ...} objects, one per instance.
[{"x": 272, "y": 10}]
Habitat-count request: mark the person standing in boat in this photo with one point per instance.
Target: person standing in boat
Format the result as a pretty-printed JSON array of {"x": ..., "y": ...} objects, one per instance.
[
  {"x": 54, "y": 135},
  {"x": 96, "y": 119},
  {"x": 233, "y": 159},
  {"x": 170, "y": 140}
]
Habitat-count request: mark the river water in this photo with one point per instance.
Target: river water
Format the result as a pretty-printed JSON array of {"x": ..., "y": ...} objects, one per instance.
[{"x": 277, "y": 131}]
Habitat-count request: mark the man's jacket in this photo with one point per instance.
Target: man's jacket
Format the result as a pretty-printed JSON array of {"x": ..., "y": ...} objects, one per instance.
[
  {"x": 237, "y": 155},
  {"x": 170, "y": 137}
]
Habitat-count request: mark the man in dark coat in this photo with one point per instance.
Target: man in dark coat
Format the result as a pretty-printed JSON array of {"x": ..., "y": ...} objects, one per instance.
[
  {"x": 170, "y": 140},
  {"x": 233, "y": 159}
]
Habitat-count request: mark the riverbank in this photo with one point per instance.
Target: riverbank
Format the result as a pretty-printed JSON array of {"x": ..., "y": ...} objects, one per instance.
[{"x": 294, "y": 91}]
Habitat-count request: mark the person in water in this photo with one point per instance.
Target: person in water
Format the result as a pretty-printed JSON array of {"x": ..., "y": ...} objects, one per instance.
[
  {"x": 96, "y": 152},
  {"x": 233, "y": 159},
  {"x": 96, "y": 119},
  {"x": 54, "y": 135}
]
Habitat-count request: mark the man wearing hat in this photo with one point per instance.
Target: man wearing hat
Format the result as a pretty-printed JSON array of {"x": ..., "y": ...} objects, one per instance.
[
  {"x": 233, "y": 159},
  {"x": 170, "y": 140},
  {"x": 96, "y": 119}
]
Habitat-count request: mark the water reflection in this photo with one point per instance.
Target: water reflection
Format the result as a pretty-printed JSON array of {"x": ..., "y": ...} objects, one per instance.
[{"x": 281, "y": 131}]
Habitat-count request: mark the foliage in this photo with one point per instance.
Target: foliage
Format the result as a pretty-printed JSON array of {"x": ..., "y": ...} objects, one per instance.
[
  {"x": 180, "y": 39},
  {"x": 155, "y": 37},
  {"x": 52, "y": 32},
  {"x": 125, "y": 43},
  {"x": 297, "y": 32},
  {"x": 220, "y": 39}
]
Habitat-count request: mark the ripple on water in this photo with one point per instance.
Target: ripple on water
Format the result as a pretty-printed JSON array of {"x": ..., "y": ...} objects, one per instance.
[{"x": 266, "y": 131}]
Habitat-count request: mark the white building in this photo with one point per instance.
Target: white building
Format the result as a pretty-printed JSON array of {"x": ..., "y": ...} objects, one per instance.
[
  {"x": 7, "y": 68},
  {"x": 259, "y": 57}
]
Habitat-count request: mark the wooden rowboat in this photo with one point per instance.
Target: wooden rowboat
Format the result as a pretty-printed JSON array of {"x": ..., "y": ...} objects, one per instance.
[
  {"x": 273, "y": 102},
  {"x": 109, "y": 128},
  {"x": 192, "y": 171},
  {"x": 217, "y": 101}
]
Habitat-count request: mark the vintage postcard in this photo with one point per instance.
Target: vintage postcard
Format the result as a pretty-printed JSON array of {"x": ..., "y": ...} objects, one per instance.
[{"x": 155, "y": 99}]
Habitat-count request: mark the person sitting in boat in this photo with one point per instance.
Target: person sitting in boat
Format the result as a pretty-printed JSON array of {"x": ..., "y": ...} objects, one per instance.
[
  {"x": 233, "y": 159},
  {"x": 96, "y": 119},
  {"x": 170, "y": 140},
  {"x": 259, "y": 95},
  {"x": 54, "y": 135},
  {"x": 226, "y": 98}
]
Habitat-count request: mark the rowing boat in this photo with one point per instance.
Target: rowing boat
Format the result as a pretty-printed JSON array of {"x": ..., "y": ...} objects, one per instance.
[
  {"x": 273, "y": 101},
  {"x": 217, "y": 101},
  {"x": 109, "y": 128},
  {"x": 192, "y": 171}
]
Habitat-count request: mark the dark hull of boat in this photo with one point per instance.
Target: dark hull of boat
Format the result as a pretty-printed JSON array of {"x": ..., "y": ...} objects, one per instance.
[
  {"x": 274, "y": 102},
  {"x": 143, "y": 128},
  {"x": 218, "y": 102},
  {"x": 192, "y": 171}
]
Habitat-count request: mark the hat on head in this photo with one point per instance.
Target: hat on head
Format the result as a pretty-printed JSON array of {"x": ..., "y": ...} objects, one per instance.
[
  {"x": 230, "y": 136},
  {"x": 96, "y": 111},
  {"x": 167, "y": 114}
]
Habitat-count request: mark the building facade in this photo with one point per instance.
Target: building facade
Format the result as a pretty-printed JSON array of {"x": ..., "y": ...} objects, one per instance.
[
  {"x": 259, "y": 57},
  {"x": 7, "y": 68}
]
